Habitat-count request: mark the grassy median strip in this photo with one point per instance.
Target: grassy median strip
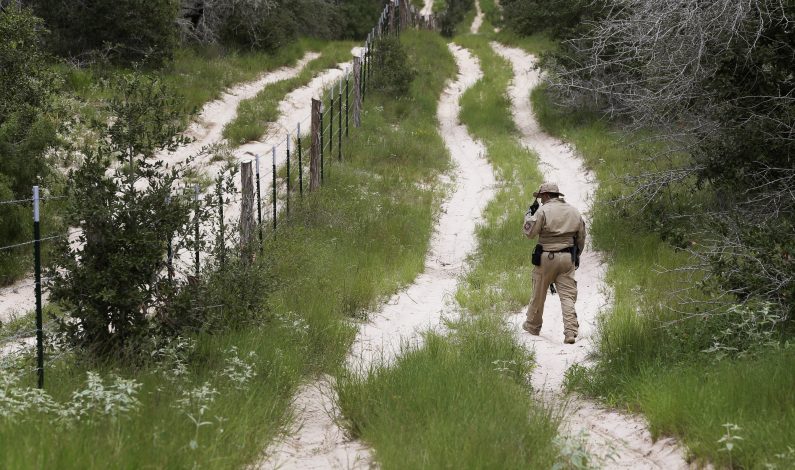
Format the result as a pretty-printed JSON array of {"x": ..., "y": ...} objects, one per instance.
[
  {"x": 254, "y": 115},
  {"x": 660, "y": 368},
  {"x": 198, "y": 75},
  {"x": 462, "y": 400},
  {"x": 216, "y": 399}
]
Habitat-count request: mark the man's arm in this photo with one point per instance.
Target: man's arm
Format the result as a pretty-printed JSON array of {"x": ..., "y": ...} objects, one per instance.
[
  {"x": 533, "y": 224},
  {"x": 581, "y": 233}
]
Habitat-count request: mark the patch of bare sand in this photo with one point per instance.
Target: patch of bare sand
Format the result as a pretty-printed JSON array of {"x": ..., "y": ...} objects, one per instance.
[
  {"x": 315, "y": 441},
  {"x": 625, "y": 438},
  {"x": 478, "y": 21}
]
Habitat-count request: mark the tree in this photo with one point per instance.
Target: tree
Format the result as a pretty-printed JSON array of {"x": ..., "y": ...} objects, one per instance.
[
  {"x": 112, "y": 279},
  {"x": 26, "y": 132},
  {"x": 715, "y": 79}
]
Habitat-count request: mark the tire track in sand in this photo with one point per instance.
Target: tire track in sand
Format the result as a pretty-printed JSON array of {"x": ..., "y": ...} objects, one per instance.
[
  {"x": 315, "y": 440},
  {"x": 622, "y": 437}
]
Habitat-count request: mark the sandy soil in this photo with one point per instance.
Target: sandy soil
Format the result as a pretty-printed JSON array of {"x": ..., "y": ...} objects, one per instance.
[
  {"x": 475, "y": 26},
  {"x": 315, "y": 441},
  {"x": 623, "y": 438}
]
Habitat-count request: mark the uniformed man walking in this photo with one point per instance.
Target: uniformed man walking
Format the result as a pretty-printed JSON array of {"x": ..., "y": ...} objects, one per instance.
[{"x": 561, "y": 237}]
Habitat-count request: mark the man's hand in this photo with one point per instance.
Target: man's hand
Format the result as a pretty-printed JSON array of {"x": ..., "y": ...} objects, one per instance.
[{"x": 532, "y": 210}]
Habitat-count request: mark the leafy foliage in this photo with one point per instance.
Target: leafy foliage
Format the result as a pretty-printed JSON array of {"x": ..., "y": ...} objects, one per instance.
[
  {"x": 123, "y": 31},
  {"x": 714, "y": 80},
  {"x": 453, "y": 14},
  {"x": 26, "y": 132},
  {"x": 112, "y": 278},
  {"x": 560, "y": 18},
  {"x": 394, "y": 72}
]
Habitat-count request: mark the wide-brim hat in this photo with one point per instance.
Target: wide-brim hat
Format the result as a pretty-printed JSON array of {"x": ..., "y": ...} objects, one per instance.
[{"x": 551, "y": 188}]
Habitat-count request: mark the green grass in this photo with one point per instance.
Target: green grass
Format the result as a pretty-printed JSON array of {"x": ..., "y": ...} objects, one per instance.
[
  {"x": 644, "y": 363},
  {"x": 256, "y": 113},
  {"x": 535, "y": 44},
  {"x": 462, "y": 401},
  {"x": 344, "y": 249},
  {"x": 198, "y": 75},
  {"x": 458, "y": 402}
]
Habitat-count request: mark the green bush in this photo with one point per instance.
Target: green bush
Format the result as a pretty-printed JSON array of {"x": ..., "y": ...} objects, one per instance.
[
  {"x": 124, "y": 31},
  {"x": 113, "y": 279},
  {"x": 393, "y": 74},
  {"x": 560, "y": 18},
  {"x": 26, "y": 132},
  {"x": 453, "y": 14}
]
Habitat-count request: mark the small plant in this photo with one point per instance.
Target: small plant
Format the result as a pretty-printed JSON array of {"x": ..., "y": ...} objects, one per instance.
[
  {"x": 573, "y": 453},
  {"x": 745, "y": 329},
  {"x": 238, "y": 371},
  {"x": 96, "y": 401},
  {"x": 729, "y": 440},
  {"x": 195, "y": 404},
  {"x": 782, "y": 460}
]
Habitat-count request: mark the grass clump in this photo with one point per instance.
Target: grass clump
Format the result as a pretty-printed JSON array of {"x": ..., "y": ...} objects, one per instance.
[
  {"x": 254, "y": 115},
  {"x": 216, "y": 398},
  {"x": 459, "y": 402},
  {"x": 660, "y": 362}
]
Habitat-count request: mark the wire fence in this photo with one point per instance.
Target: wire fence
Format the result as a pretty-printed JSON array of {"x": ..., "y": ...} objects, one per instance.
[{"x": 304, "y": 156}]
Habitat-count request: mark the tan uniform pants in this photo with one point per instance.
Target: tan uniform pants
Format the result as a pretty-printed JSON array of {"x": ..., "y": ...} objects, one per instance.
[{"x": 560, "y": 270}]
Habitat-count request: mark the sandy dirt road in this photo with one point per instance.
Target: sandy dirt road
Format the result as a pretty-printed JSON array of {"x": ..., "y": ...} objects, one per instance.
[
  {"x": 618, "y": 440},
  {"x": 315, "y": 441},
  {"x": 474, "y": 28}
]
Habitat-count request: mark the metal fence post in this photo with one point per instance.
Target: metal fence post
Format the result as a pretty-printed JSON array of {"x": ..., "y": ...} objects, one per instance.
[
  {"x": 196, "y": 227},
  {"x": 331, "y": 123},
  {"x": 37, "y": 274},
  {"x": 321, "y": 140},
  {"x": 170, "y": 255},
  {"x": 287, "y": 142},
  {"x": 339, "y": 125},
  {"x": 274, "y": 188},
  {"x": 259, "y": 201},
  {"x": 221, "y": 243},
  {"x": 347, "y": 100},
  {"x": 300, "y": 162}
]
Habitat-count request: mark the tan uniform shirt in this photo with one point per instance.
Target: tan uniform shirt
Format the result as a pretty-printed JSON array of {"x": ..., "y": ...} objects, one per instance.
[{"x": 555, "y": 224}]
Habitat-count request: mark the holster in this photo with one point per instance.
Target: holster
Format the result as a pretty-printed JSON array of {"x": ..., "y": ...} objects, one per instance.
[{"x": 536, "y": 259}]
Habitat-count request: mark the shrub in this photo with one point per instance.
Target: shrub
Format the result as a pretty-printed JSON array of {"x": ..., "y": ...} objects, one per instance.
[
  {"x": 113, "y": 278},
  {"x": 26, "y": 132},
  {"x": 393, "y": 74},
  {"x": 560, "y": 18},
  {"x": 453, "y": 14},
  {"x": 124, "y": 31}
]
